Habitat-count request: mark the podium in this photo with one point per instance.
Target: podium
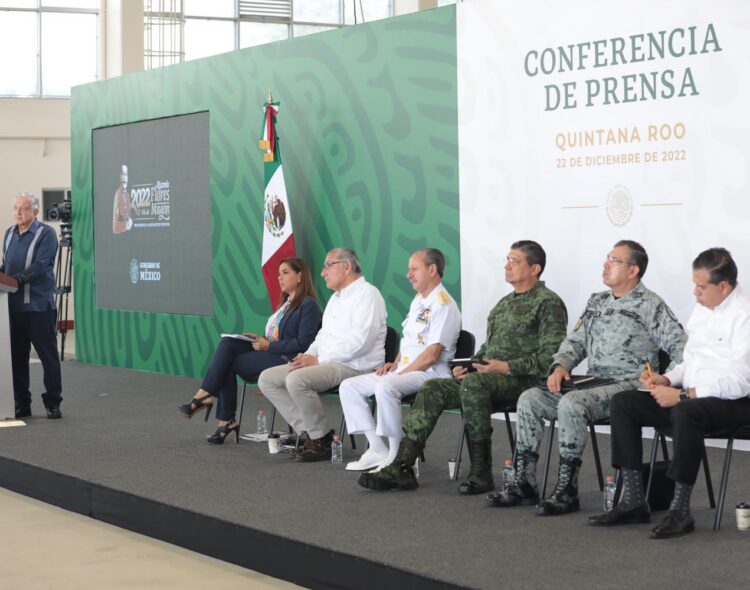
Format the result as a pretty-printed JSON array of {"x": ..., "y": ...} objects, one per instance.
[{"x": 7, "y": 402}]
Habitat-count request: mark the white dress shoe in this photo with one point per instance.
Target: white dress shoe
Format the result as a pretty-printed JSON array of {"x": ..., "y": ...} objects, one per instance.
[
  {"x": 367, "y": 461},
  {"x": 384, "y": 463}
]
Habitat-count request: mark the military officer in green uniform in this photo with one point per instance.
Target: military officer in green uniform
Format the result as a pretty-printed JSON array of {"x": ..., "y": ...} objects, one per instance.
[
  {"x": 620, "y": 331},
  {"x": 523, "y": 331}
]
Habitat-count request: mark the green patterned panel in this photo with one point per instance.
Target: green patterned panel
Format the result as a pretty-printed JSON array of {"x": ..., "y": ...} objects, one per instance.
[{"x": 367, "y": 129}]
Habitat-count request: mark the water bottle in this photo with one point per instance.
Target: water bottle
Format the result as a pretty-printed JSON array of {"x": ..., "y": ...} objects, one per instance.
[
  {"x": 608, "y": 494},
  {"x": 262, "y": 428},
  {"x": 337, "y": 450},
  {"x": 509, "y": 475}
]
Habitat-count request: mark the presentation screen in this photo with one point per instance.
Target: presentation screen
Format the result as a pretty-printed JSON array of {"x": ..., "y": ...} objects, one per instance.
[{"x": 152, "y": 216}]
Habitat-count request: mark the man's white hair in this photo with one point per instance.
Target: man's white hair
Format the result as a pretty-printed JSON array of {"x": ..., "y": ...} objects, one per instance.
[{"x": 33, "y": 198}]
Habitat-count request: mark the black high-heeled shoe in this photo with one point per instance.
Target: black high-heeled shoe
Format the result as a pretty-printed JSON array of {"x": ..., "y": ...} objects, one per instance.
[
  {"x": 222, "y": 432},
  {"x": 195, "y": 405}
]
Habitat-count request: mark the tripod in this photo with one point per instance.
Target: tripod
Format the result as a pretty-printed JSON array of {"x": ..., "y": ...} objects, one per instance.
[{"x": 63, "y": 274}]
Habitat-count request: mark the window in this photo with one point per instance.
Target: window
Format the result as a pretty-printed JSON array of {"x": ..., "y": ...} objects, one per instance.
[
  {"x": 209, "y": 27},
  {"x": 53, "y": 43}
]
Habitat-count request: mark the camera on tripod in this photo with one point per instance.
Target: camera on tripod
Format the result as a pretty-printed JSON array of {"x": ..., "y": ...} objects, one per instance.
[{"x": 60, "y": 212}]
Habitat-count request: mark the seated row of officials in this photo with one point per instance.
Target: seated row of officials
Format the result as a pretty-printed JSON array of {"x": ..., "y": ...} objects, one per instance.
[{"x": 621, "y": 331}]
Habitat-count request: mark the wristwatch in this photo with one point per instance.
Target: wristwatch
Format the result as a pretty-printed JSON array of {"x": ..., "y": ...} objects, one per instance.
[{"x": 684, "y": 395}]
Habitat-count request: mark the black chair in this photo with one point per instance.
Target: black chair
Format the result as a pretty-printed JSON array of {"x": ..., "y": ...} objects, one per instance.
[
  {"x": 465, "y": 346},
  {"x": 254, "y": 382},
  {"x": 664, "y": 361},
  {"x": 594, "y": 448},
  {"x": 741, "y": 433},
  {"x": 391, "y": 350},
  {"x": 463, "y": 435}
]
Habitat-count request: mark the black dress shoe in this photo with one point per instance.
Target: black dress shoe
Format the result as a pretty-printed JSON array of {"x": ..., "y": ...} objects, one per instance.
[
  {"x": 54, "y": 413},
  {"x": 619, "y": 515},
  {"x": 318, "y": 449},
  {"x": 673, "y": 525},
  {"x": 24, "y": 412}
]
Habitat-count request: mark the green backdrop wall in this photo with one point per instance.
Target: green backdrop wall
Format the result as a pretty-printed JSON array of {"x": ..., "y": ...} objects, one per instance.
[{"x": 368, "y": 133}]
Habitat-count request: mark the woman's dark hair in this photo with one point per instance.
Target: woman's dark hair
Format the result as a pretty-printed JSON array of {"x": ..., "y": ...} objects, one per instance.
[{"x": 305, "y": 287}]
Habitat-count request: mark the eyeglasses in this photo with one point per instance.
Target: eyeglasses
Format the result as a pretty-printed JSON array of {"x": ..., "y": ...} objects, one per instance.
[
  {"x": 22, "y": 207},
  {"x": 613, "y": 260},
  {"x": 330, "y": 263}
]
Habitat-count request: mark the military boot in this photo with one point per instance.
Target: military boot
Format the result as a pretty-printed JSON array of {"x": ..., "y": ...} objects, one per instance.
[
  {"x": 523, "y": 491},
  {"x": 399, "y": 474},
  {"x": 564, "y": 498},
  {"x": 480, "y": 477}
]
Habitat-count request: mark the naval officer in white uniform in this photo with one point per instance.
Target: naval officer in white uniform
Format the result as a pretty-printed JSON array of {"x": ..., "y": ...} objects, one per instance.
[{"x": 430, "y": 331}]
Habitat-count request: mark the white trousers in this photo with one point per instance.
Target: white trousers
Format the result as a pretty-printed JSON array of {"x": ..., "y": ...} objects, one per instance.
[{"x": 388, "y": 391}]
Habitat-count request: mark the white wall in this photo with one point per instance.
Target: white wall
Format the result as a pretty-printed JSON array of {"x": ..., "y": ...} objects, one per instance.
[
  {"x": 34, "y": 151},
  {"x": 35, "y": 133},
  {"x": 34, "y": 148}
]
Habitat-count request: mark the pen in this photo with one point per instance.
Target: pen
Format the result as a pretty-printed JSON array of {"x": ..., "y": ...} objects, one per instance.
[{"x": 648, "y": 369}]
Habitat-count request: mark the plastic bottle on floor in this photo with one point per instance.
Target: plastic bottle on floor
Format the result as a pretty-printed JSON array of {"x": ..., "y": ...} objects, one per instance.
[
  {"x": 608, "y": 494},
  {"x": 509, "y": 475},
  {"x": 262, "y": 427},
  {"x": 337, "y": 450}
]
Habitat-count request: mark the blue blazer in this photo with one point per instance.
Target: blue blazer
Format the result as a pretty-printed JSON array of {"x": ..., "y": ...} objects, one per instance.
[{"x": 297, "y": 329}]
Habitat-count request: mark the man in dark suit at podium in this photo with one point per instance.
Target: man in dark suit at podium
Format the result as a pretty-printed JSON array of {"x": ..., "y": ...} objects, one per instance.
[{"x": 29, "y": 249}]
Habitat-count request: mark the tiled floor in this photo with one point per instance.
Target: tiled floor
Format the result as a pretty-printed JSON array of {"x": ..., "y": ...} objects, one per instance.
[{"x": 45, "y": 547}]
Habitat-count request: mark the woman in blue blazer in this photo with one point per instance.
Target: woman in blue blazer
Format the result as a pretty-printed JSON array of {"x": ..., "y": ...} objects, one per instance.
[{"x": 289, "y": 331}]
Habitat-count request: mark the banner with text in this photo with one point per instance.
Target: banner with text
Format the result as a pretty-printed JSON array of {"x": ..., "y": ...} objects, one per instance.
[{"x": 597, "y": 123}]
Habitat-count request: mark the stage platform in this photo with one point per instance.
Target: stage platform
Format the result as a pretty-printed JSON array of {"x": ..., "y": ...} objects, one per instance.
[{"x": 122, "y": 454}]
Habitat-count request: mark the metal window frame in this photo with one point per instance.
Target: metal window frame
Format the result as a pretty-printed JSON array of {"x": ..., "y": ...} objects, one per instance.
[
  {"x": 240, "y": 18},
  {"x": 39, "y": 10}
]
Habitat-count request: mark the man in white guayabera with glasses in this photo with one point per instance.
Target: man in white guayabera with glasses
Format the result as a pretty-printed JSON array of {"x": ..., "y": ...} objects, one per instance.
[{"x": 351, "y": 342}]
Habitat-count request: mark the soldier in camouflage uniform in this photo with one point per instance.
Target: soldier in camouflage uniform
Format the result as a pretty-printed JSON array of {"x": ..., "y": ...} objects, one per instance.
[
  {"x": 619, "y": 332},
  {"x": 523, "y": 331}
]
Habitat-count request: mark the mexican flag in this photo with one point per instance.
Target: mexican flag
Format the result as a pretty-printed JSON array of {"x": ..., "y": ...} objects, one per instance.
[{"x": 278, "y": 239}]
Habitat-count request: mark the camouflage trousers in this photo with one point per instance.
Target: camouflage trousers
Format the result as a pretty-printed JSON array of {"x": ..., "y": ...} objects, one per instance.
[
  {"x": 573, "y": 412},
  {"x": 476, "y": 394}
]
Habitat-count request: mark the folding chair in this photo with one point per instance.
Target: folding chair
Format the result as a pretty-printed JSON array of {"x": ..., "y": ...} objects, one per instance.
[{"x": 741, "y": 433}]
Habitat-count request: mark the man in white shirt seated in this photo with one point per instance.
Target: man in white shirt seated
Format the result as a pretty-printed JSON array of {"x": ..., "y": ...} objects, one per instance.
[
  {"x": 430, "y": 331},
  {"x": 707, "y": 392},
  {"x": 350, "y": 342}
]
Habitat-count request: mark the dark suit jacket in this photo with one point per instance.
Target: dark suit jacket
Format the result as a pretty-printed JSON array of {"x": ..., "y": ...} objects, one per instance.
[{"x": 297, "y": 329}]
